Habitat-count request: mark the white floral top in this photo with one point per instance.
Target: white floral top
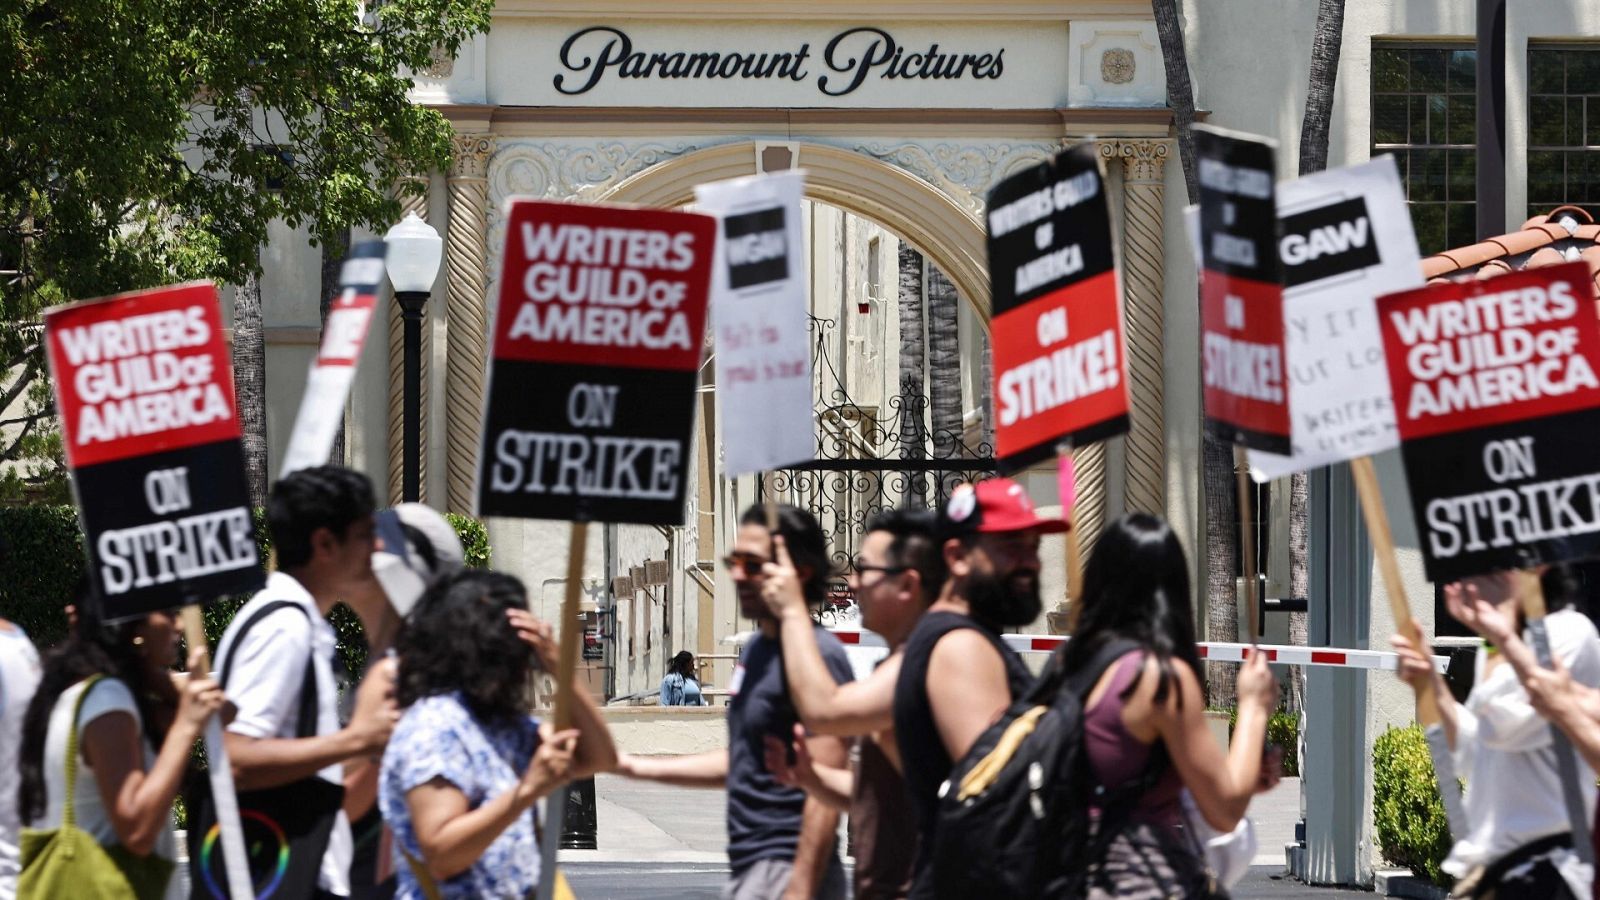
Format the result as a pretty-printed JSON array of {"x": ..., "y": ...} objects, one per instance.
[{"x": 438, "y": 737}]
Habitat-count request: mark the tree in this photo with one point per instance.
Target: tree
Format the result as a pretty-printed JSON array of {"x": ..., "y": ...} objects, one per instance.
[
  {"x": 944, "y": 364},
  {"x": 1325, "y": 44},
  {"x": 1217, "y": 474},
  {"x": 913, "y": 438},
  {"x": 149, "y": 141}
]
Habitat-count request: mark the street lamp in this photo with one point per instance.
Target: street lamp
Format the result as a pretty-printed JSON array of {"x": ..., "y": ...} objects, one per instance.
[{"x": 412, "y": 254}]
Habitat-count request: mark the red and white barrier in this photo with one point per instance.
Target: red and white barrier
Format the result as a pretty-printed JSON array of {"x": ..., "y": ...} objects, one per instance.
[{"x": 1213, "y": 651}]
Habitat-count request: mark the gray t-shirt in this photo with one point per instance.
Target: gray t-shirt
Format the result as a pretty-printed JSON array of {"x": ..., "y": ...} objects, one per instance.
[{"x": 764, "y": 816}]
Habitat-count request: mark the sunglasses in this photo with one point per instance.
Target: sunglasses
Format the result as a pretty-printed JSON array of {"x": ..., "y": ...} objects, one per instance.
[
  {"x": 749, "y": 563},
  {"x": 862, "y": 568}
]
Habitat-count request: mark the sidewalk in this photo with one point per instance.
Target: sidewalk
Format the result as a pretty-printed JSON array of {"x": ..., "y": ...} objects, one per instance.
[{"x": 641, "y": 822}]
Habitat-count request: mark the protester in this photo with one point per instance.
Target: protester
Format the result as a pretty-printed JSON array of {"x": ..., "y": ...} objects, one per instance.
[
  {"x": 897, "y": 573},
  {"x": 1520, "y": 843},
  {"x": 466, "y": 764},
  {"x": 780, "y": 842},
  {"x": 19, "y": 678},
  {"x": 680, "y": 687},
  {"x": 1144, "y": 719},
  {"x": 110, "y": 689},
  {"x": 956, "y": 676},
  {"x": 321, "y": 521},
  {"x": 415, "y": 547}
]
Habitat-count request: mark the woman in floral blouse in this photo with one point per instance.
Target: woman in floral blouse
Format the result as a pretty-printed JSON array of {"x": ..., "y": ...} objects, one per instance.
[{"x": 467, "y": 763}]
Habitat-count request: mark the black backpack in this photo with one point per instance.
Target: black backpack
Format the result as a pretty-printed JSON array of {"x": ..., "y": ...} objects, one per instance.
[{"x": 1022, "y": 827}]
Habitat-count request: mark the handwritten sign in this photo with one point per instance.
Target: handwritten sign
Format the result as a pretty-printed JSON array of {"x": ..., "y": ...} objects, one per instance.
[
  {"x": 758, "y": 313},
  {"x": 1344, "y": 239}
]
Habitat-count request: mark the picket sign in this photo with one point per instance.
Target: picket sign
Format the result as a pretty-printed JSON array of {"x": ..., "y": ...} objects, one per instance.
[{"x": 1210, "y": 651}]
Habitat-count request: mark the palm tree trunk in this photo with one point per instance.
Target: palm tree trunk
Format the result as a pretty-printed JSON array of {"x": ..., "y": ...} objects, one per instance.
[
  {"x": 1314, "y": 128},
  {"x": 333, "y": 252},
  {"x": 1217, "y": 478},
  {"x": 250, "y": 383},
  {"x": 944, "y": 364},
  {"x": 913, "y": 384}
]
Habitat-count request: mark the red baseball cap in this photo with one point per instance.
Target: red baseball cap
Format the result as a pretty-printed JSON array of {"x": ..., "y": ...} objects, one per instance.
[{"x": 993, "y": 505}]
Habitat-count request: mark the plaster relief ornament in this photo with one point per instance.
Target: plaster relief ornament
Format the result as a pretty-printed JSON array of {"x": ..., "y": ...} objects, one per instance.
[{"x": 1117, "y": 65}]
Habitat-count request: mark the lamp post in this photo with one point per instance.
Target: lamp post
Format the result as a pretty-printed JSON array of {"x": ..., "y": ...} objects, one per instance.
[{"x": 412, "y": 255}]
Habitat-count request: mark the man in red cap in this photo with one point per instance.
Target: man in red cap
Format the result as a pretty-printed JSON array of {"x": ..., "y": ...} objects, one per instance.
[{"x": 956, "y": 675}]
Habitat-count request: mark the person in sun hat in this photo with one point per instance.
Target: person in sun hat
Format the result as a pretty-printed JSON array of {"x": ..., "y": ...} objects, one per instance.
[
  {"x": 957, "y": 676},
  {"x": 415, "y": 548}
]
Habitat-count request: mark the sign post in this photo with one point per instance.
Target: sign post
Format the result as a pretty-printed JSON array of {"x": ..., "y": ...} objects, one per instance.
[
  {"x": 144, "y": 389},
  {"x": 1060, "y": 364},
  {"x": 1490, "y": 380},
  {"x": 1241, "y": 313},
  {"x": 598, "y": 338}
]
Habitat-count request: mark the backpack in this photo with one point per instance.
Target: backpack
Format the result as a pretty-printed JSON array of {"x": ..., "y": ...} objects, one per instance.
[{"x": 1014, "y": 816}]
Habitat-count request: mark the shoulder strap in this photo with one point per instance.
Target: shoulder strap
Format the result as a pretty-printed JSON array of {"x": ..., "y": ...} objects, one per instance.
[
  {"x": 68, "y": 814},
  {"x": 306, "y": 723}
]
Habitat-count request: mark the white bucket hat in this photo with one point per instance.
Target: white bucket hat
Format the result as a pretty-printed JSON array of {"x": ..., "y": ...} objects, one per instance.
[{"x": 419, "y": 549}]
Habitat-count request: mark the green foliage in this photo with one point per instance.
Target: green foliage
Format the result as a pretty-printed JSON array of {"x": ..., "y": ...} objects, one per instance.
[
  {"x": 144, "y": 142},
  {"x": 474, "y": 539},
  {"x": 1283, "y": 729},
  {"x": 1406, "y": 805},
  {"x": 45, "y": 558}
]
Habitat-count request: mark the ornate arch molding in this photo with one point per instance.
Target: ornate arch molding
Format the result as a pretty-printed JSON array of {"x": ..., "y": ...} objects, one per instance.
[{"x": 951, "y": 235}]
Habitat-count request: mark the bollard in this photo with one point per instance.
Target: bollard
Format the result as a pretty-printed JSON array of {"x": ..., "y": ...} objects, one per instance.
[{"x": 580, "y": 828}]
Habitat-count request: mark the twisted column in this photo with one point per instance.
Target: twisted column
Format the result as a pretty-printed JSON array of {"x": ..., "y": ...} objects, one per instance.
[
  {"x": 1089, "y": 508},
  {"x": 1143, "y": 165},
  {"x": 466, "y": 262},
  {"x": 409, "y": 203}
]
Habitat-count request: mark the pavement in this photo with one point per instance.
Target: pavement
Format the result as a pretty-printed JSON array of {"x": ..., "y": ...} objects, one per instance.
[{"x": 662, "y": 841}]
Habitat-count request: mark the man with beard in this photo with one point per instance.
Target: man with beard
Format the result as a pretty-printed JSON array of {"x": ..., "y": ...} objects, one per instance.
[
  {"x": 956, "y": 676},
  {"x": 898, "y": 571},
  {"x": 780, "y": 841}
]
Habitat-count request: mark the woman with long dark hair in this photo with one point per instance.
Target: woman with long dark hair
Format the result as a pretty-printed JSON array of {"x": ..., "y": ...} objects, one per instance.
[
  {"x": 136, "y": 721},
  {"x": 680, "y": 686},
  {"x": 467, "y": 762},
  {"x": 1144, "y": 720}
]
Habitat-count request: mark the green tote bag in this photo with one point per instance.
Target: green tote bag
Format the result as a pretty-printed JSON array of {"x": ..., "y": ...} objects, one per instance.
[{"x": 69, "y": 862}]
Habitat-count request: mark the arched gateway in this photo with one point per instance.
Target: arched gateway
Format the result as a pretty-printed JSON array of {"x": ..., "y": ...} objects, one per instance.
[{"x": 904, "y": 122}]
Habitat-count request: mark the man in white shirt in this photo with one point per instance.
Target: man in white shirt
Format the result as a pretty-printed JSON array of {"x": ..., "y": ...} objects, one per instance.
[{"x": 322, "y": 534}]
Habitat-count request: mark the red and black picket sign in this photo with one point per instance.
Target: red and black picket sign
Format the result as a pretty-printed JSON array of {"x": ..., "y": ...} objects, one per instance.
[
  {"x": 1060, "y": 371},
  {"x": 144, "y": 389},
  {"x": 1241, "y": 293},
  {"x": 598, "y": 338},
  {"x": 1497, "y": 398}
]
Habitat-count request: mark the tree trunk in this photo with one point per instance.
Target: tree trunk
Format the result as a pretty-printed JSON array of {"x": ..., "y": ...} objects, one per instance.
[
  {"x": 1314, "y": 128},
  {"x": 250, "y": 383},
  {"x": 333, "y": 253},
  {"x": 1217, "y": 479},
  {"x": 944, "y": 365},
  {"x": 913, "y": 384}
]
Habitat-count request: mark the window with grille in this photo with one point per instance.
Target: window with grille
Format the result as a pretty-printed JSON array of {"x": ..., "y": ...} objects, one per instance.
[
  {"x": 1424, "y": 111},
  {"x": 1563, "y": 127}
]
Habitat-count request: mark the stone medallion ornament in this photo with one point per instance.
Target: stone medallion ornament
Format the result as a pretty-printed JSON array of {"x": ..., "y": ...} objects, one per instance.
[{"x": 1117, "y": 65}]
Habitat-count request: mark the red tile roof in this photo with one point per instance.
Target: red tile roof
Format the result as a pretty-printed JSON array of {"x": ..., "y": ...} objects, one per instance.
[{"x": 1565, "y": 234}]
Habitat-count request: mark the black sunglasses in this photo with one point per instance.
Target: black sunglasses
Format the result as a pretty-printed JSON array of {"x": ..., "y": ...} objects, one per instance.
[
  {"x": 862, "y": 568},
  {"x": 750, "y": 563}
]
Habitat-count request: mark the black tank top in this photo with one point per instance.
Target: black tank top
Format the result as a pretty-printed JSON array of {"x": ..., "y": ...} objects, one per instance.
[{"x": 924, "y": 761}]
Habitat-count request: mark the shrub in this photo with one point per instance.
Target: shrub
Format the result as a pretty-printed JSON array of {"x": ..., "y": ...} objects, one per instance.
[
  {"x": 1407, "y": 809},
  {"x": 1283, "y": 729},
  {"x": 44, "y": 559}
]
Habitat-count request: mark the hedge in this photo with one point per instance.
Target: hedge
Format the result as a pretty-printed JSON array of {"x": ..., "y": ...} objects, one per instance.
[
  {"x": 44, "y": 559},
  {"x": 1283, "y": 729},
  {"x": 1407, "y": 809}
]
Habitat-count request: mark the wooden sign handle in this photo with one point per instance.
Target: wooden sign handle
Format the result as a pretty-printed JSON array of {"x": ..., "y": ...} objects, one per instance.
[
  {"x": 1377, "y": 519},
  {"x": 1247, "y": 541},
  {"x": 571, "y": 630},
  {"x": 194, "y": 632}
]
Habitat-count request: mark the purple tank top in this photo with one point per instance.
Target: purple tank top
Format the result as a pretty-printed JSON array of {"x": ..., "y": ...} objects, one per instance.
[{"x": 1117, "y": 757}]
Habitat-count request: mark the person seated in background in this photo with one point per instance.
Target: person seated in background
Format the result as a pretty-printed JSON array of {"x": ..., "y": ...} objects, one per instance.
[
  {"x": 1520, "y": 841},
  {"x": 467, "y": 763},
  {"x": 680, "y": 687}
]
